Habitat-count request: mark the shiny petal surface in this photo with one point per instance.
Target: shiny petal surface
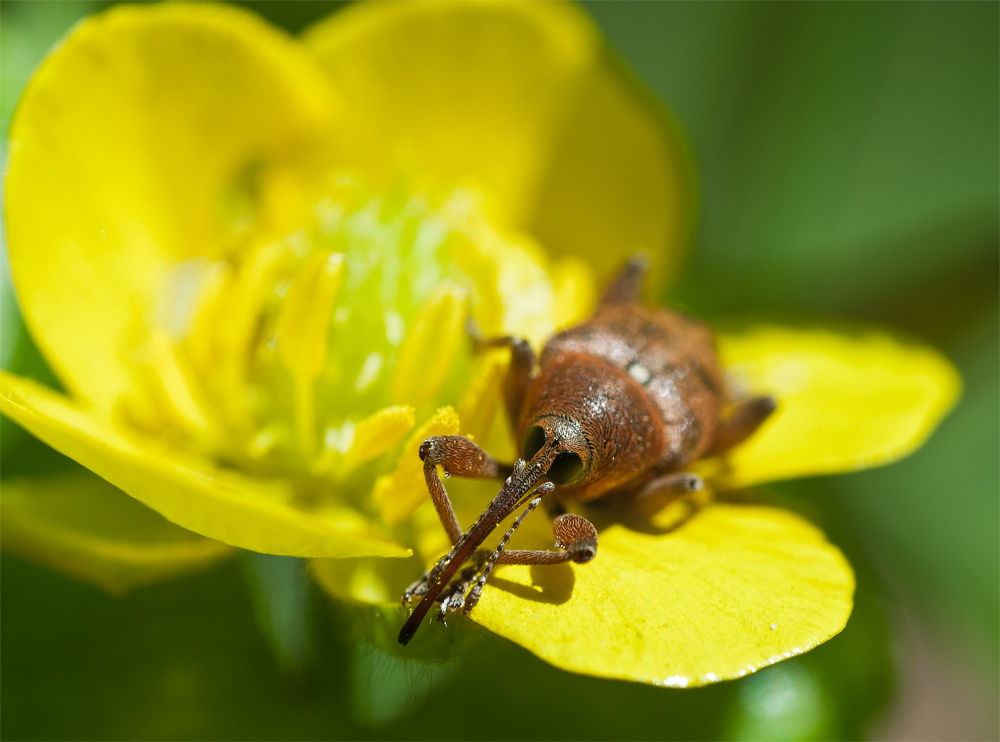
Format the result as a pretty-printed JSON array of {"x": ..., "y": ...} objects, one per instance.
[
  {"x": 128, "y": 151},
  {"x": 194, "y": 494},
  {"x": 522, "y": 101},
  {"x": 80, "y": 525},
  {"x": 365, "y": 581},
  {"x": 729, "y": 591},
  {"x": 846, "y": 400}
]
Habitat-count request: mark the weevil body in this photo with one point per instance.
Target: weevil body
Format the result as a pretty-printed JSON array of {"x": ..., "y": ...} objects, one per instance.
[
  {"x": 617, "y": 405},
  {"x": 635, "y": 391}
]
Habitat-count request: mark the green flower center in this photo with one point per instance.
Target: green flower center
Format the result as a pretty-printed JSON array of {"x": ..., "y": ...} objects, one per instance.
[{"x": 268, "y": 361}]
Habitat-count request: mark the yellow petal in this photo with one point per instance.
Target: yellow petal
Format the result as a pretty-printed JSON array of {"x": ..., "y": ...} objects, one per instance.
[
  {"x": 378, "y": 582},
  {"x": 522, "y": 101},
  {"x": 398, "y": 494},
  {"x": 846, "y": 401},
  {"x": 126, "y": 151},
  {"x": 731, "y": 590},
  {"x": 80, "y": 525},
  {"x": 621, "y": 180},
  {"x": 574, "y": 289},
  {"x": 195, "y": 494}
]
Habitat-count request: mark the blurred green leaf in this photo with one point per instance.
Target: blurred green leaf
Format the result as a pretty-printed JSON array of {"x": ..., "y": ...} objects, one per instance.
[
  {"x": 830, "y": 139},
  {"x": 279, "y": 587},
  {"x": 387, "y": 686},
  {"x": 784, "y": 702},
  {"x": 182, "y": 660}
]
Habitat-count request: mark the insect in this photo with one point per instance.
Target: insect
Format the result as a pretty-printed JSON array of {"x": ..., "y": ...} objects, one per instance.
[{"x": 618, "y": 405}]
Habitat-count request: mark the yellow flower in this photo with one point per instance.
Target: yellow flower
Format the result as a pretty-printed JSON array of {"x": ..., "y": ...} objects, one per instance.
[{"x": 249, "y": 260}]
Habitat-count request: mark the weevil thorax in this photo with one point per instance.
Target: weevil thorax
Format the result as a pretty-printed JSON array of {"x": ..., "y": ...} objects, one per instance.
[{"x": 633, "y": 392}]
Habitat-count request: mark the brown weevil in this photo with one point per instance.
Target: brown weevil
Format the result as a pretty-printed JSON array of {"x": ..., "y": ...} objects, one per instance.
[{"x": 618, "y": 405}]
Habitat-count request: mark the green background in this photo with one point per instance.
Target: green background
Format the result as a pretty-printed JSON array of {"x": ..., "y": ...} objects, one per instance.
[{"x": 848, "y": 161}]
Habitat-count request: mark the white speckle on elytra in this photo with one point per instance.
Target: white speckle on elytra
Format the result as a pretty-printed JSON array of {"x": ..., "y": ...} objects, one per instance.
[{"x": 639, "y": 372}]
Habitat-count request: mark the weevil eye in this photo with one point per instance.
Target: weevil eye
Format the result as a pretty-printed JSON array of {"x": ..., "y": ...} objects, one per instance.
[{"x": 566, "y": 468}]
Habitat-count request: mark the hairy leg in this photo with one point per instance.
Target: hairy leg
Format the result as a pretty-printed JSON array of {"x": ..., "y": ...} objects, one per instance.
[
  {"x": 626, "y": 287},
  {"x": 459, "y": 457},
  {"x": 746, "y": 418},
  {"x": 576, "y": 541},
  {"x": 660, "y": 492}
]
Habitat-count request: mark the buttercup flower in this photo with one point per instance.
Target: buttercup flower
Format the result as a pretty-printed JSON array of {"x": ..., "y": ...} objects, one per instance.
[{"x": 250, "y": 260}]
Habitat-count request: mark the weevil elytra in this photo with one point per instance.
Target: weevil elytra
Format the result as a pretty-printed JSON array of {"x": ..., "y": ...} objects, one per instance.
[{"x": 618, "y": 405}]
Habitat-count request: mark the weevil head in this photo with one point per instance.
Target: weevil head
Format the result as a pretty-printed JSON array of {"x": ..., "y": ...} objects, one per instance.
[{"x": 596, "y": 418}]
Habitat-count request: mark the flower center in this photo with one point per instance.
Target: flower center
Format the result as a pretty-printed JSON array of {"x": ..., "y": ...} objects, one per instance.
[{"x": 269, "y": 360}]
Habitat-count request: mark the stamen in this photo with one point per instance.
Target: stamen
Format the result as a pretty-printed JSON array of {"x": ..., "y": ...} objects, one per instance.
[
  {"x": 198, "y": 338},
  {"x": 303, "y": 332},
  {"x": 175, "y": 389},
  {"x": 268, "y": 439},
  {"x": 304, "y": 323},
  {"x": 482, "y": 397},
  {"x": 376, "y": 434},
  {"x": 430, "y": 345}
]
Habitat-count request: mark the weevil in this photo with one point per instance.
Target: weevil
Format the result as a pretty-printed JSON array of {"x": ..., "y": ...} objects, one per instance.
[{"x": 619, "y": 405}]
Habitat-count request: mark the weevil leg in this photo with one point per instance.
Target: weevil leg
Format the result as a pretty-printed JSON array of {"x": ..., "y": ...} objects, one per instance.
[
  {"x": 457, "y": 587},
  {"x": 626, "y": 287},
  {"x": 453, "y": 597},
  {"x": 459, "y": 457},
  {"x": 657, "y": 493},
  {"x": 522, "y": 365},
  {"x": 576, "y": 539},
  {"x": 744, "y": 421}
]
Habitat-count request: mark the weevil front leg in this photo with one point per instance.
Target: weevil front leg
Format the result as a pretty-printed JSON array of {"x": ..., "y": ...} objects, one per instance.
[
  {"x": 626, "y": 287},
  {"x": 744, "y": 421},
  {"x": 459, "y": 457},
  {"x": 746, "y": 418},
  {"x": 657, "y": 493}
]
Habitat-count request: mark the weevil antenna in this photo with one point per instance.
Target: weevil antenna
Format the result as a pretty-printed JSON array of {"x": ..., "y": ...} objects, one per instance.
[{"x": 514, "y": 492}]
